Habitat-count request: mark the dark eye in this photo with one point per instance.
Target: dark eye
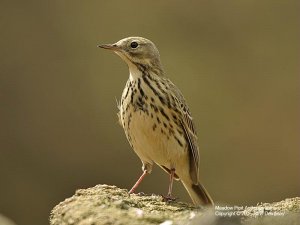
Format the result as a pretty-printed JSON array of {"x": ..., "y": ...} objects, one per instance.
[{"x": 134, "y": 44}]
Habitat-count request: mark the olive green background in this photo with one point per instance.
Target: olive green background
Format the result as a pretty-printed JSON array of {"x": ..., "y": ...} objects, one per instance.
[{"x": 236, "y": 62}]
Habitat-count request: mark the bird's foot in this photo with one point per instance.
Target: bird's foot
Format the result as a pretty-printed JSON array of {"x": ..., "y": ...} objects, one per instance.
[{"x": 169, "y": 198}]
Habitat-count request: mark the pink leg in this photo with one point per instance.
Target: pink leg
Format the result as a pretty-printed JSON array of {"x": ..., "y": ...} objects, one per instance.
[
  {"x": 132, "y": 190},
  {"x": 169, "y": 197},
  {"x": 172, "y": 172}
]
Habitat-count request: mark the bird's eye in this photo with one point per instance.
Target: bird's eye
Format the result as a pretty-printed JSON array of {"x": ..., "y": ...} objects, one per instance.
[{"x": 134, "y": 44}]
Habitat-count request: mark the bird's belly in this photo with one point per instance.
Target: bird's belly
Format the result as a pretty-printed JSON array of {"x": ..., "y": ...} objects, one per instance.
[{"x": 153, "y": 141}]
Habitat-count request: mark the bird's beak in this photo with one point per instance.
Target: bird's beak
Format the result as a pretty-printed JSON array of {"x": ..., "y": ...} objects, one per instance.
[{"x": 112, "y": 47}]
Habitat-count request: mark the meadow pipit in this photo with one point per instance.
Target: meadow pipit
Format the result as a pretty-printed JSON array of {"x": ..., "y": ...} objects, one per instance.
[{"x": 156, "y": 119}]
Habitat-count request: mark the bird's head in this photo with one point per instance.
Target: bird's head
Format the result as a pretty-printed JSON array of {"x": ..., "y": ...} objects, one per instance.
[{"x": 136, "y": 52}]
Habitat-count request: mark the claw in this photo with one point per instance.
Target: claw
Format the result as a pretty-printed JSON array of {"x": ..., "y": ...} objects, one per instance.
[{"x": 169, "y": 199}]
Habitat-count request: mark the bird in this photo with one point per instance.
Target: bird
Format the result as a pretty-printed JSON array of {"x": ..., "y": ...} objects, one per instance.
[{"x": 156, "y": 119}]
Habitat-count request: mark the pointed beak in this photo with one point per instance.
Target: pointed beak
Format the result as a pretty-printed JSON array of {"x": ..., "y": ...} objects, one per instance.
[{"x": 112, "y": 47}]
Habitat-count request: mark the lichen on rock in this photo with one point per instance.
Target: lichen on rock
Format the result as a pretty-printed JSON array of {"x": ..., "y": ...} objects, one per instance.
[{"x": 105, "y": 204}]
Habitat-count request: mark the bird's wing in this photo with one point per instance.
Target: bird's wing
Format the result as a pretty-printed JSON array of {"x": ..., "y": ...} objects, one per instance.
[{"x": 188, "y": 126}]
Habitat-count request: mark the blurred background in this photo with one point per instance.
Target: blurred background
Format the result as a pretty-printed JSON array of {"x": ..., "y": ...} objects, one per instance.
[{"x": 237, "y": 63}]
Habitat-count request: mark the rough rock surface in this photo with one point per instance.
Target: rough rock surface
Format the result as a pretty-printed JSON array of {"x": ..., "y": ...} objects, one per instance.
[{"x": 104, "y": 204}]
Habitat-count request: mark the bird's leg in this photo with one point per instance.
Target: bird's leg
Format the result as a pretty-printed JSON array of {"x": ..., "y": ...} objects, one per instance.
[
  {"x": 172, "y": 172},
  {"x": 169, "y": 197},
  {"x": 132, "y": 190}
]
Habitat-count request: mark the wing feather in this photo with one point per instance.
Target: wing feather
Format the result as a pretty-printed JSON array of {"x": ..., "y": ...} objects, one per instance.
[{"x": 188, "y": 126}]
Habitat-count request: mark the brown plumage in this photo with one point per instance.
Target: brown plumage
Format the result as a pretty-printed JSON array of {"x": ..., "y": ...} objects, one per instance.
[{"x": 156, "y": 119}]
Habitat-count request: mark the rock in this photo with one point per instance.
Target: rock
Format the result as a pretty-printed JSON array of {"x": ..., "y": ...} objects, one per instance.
[{"x": 104, "y": 204}]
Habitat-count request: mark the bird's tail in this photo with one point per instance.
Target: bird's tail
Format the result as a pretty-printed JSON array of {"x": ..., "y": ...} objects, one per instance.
[{"x": 198, "y": 193}]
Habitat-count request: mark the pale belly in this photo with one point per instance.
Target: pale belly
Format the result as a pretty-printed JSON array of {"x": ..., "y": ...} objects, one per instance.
[{"x": 153, "y": 141}]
